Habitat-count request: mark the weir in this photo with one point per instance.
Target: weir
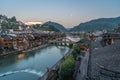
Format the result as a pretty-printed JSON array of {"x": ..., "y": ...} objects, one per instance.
[
  {"x": 32, "y": 63},
  {"x": 26, "y": 70}
]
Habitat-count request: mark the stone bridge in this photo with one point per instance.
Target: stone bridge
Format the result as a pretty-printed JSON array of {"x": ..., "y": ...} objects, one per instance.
[{"x": 62, "y": 41}]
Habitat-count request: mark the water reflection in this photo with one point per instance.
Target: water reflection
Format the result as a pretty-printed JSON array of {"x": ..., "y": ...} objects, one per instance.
[
  {"x": 21, "y": 56},
  {"x": 34, "y": 62}
]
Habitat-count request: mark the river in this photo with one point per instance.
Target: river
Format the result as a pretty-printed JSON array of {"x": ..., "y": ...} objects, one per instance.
[{"x": 32, "y": 65}]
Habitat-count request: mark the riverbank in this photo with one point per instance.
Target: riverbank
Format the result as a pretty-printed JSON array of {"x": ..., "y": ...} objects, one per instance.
[
  {"x": 10, "y": 53},
  {"x": 55, "y": 67},
  {"x": 35, "y": 62},
  {"x": 35, "y": 48},
  {"x": 24, "y": 51}
]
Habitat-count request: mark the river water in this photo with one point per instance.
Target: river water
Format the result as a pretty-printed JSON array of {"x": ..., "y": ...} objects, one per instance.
[{"x": 32, "y": 65}]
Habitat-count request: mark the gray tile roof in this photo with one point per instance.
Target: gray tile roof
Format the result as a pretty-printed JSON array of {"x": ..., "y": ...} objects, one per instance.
[{"x": 108, "y": 56}]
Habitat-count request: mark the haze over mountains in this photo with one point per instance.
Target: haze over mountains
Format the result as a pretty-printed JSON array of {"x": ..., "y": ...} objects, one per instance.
[
  {"x": 98, "y": 24},
  {"x": 33, "y": 23},
  {"x": 93, "y": 25}
]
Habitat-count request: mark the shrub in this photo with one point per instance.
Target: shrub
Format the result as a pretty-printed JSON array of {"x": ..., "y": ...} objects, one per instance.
[
  {"x": 67, "y": 68},
  {"x": 75, "y": 54},
  {"x": 77, "y": 49},
  {"x": 1, "y": 51},
  {"x": 70, "y": 45}
]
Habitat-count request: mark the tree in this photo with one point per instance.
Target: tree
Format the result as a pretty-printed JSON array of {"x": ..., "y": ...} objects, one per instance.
[
  {"x": 70, "y": 45},
  {"x": 77, "y": 49},
  {"x": 4, "y": 25},
  {"x": 67, "y": 68},
  {"x": 82, "y": 37},
  {"x": 75, "y": 54},
  {"x": 13, "y": 19}
]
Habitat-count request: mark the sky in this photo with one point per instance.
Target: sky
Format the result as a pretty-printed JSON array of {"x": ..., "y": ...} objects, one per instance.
[{"x": 69, "y": 13}]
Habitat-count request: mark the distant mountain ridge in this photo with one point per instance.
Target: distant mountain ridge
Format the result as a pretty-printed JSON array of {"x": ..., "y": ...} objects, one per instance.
[
  {"x": 53, "y": 26},
  {"x": 98, "y": 24},
  {"x": 93, "y": 25}
]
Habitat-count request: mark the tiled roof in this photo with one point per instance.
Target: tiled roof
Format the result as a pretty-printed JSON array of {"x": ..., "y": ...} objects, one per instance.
[{"x": 108, "y": 56}]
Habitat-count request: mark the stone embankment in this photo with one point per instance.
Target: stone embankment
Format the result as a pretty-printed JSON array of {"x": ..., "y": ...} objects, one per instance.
[{"x": 52, "y": 71}]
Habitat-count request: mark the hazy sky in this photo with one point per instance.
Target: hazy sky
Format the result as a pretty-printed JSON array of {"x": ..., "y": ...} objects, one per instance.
[{"x": 66, "y": 12}]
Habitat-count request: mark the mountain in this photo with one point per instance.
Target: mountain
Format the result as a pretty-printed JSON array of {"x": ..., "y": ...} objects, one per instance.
[
  {"x": 9, "y": 23},
  {"x": 98, "y": 24},
  {"x": 52, "y": 26},
  {"x": 93, "y": 25}
]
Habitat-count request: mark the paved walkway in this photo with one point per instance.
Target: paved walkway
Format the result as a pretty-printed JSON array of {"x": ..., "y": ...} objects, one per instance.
[{"x": 82, "y": 72}]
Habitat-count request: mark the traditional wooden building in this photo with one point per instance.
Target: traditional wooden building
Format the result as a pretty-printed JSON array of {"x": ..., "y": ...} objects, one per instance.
[
  {"x": 1, "y": 42},
  {"x": 118, "y": 29}
]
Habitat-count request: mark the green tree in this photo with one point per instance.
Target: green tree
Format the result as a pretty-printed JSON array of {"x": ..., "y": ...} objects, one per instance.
[
  {"x": 70, "y": 45},
  {"x": 77, "y": 49},
  {"x": 75, "y": 54},
  {"x": 13, "y": 19},
  {"x": 4, "y": 25},
  {"x": 67, "y": 68},
  {"x": 81, "y": 37}
]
